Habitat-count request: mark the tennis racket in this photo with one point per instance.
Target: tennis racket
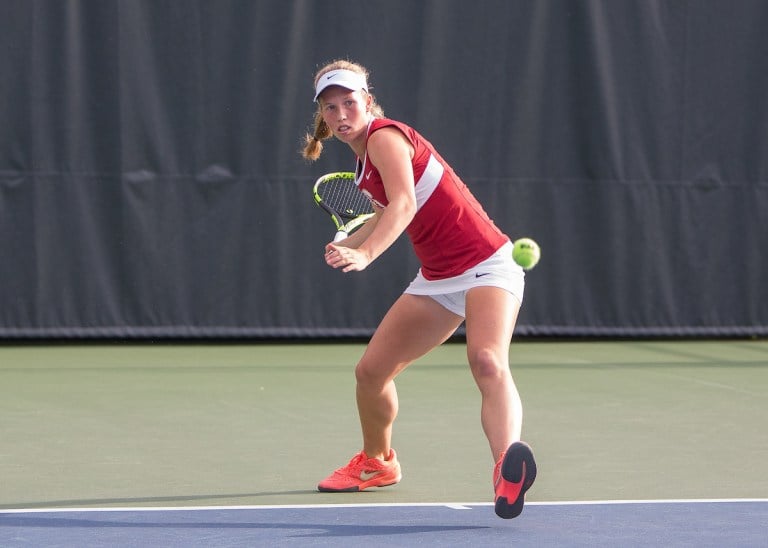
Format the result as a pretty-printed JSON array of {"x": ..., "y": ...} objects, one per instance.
[{"x": 339, "y": 196}]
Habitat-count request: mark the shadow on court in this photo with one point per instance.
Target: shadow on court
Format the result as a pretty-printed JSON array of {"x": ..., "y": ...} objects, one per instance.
[
  {"x": 312, "y": 529},
  {"x": 152, "y": 501}
]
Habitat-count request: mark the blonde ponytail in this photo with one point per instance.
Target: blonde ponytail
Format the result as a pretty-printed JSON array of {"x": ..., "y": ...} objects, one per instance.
[{"x": 313, "y": 144}]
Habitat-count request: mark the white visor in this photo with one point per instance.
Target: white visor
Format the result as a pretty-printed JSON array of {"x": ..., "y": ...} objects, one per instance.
[{"x": 341, "y": 77}]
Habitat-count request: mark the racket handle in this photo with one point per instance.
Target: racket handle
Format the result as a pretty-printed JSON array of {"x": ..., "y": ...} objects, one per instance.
[{"x": 340, "y": 235}]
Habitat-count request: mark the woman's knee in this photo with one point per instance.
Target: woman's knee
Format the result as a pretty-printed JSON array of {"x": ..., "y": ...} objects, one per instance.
[
  {"x": 487, "y": 364},
  {"x": 368, "y": 374}
]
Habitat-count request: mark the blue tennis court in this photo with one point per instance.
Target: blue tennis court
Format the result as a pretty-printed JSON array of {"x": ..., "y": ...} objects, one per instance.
[{"x": 624, "y": 523}]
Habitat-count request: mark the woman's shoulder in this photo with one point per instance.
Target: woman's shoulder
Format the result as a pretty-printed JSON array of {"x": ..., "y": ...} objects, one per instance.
[
  {"x": 387, "y": 123},
  {"x": 379, "y": 123}
]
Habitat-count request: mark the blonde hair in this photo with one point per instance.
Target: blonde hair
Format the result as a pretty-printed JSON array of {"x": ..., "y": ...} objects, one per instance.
[{"x": 313, "y": 143}]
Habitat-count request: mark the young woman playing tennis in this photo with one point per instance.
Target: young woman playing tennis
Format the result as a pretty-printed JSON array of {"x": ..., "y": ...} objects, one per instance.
[{"x": 467, "y": 275}]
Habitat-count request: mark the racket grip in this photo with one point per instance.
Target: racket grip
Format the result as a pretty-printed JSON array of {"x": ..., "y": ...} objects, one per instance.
[{"x": 340, "y": 235}]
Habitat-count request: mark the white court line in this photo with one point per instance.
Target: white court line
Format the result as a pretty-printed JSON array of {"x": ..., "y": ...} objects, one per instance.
[{"x": 451, "y": 505}]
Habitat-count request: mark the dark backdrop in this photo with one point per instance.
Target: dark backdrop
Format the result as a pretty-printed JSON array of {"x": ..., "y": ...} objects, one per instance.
[{"x": 151, "y": 186}]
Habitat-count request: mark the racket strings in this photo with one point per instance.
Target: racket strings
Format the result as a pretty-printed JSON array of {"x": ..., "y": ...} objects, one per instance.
[{"x": 343, "y": 196}]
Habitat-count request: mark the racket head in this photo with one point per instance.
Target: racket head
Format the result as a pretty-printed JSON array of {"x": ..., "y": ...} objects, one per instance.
[{"x": 339, "y": 196}]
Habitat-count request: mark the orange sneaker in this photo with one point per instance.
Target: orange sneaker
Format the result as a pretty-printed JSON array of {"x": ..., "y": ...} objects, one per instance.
[
  {"x": 361, "y": 473},
  {"x": 512, "y": 477}
]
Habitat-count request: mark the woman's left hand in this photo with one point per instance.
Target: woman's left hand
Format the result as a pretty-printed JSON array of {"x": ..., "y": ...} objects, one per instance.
[{"x": 346, "y": 258}]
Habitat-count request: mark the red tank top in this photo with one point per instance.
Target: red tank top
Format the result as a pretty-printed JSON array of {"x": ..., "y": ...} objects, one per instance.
[{"x": 451, "y": 232}]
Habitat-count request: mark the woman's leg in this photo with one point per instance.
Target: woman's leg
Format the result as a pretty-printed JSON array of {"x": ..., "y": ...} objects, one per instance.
[
  {"x": 491, "y": 316},
  {"x": 413, "y": 326}
]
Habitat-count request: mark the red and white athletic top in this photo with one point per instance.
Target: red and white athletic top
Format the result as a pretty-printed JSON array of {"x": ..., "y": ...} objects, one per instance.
[{"x": 451, "y": 232}]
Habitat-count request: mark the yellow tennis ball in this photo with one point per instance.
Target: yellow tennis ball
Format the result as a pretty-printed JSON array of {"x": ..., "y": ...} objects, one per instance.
[{"x": 526, "y": 253}]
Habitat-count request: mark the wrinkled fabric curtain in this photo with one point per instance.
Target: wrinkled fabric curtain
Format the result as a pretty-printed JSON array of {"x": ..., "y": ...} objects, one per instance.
[{"x": 151, "y": 186}]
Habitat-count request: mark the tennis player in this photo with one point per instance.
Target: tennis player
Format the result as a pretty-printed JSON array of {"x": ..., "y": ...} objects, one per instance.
[{"x": 467, "y": 275}]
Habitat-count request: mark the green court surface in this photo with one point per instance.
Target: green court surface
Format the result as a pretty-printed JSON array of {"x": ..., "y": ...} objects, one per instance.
[{"x": 182, "y": 425}]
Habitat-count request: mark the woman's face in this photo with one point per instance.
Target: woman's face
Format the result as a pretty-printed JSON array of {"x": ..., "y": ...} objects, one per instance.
[{"x": 345, "y": 112}]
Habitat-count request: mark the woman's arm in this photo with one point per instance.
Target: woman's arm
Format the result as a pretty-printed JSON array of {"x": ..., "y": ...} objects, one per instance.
[{"x": 391, "y": 153}]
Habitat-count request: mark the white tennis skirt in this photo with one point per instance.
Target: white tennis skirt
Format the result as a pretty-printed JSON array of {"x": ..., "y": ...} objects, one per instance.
[{"x": 498, "y": 270}]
